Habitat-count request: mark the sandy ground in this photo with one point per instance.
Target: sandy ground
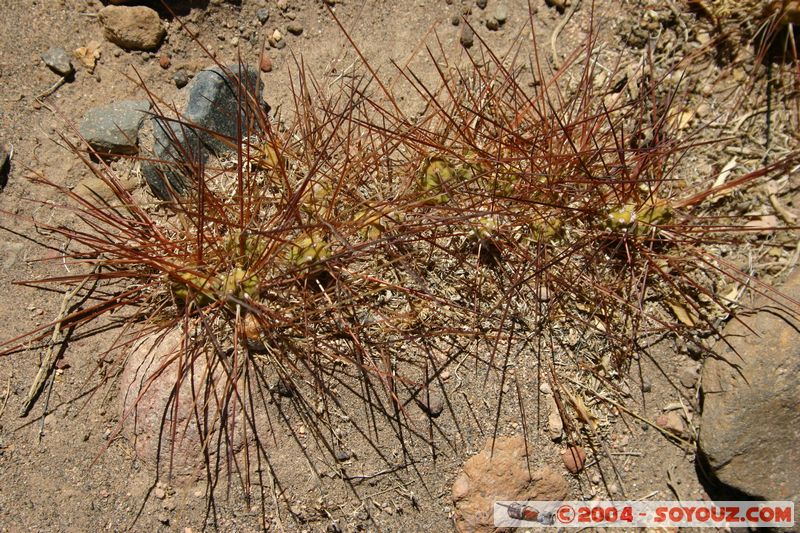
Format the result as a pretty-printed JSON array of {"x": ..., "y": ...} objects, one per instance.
[{"x": 62, "y": 473}]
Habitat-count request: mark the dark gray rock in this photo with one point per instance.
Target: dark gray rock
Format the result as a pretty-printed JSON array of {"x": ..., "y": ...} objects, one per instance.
[
  {"x": 262, "y": 15},
  {"x": 750, "y": 424},
  {"x": 114, "y": 128},
  {"x": 207, "y": 125},
  {"x": 343, "y": 455},
  {"x": 214, "y": 103},
  {"x": 59, "y": 62},
  {"x": 181, "y": 78}
]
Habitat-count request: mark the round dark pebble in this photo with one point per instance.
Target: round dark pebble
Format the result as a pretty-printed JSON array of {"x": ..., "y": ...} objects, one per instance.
[
  {"x": 482, "y": 3},
  {"x": 647, "y": 386},
  {"x": 343, "y": 455},
  {"x": 181, "y": 79},
  {"x": 467, "y": 36},
  {"x": 456, "y": 20},
  {"x": 284, "y": 388}
]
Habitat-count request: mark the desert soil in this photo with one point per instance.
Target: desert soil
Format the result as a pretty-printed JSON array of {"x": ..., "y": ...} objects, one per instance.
[{"x": 63, "y": 472}]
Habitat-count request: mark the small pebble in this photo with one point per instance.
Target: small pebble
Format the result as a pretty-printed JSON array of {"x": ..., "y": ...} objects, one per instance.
[
  {"x": 455, "y": 20},
  {"x": 501, "y": 14},
  {"x": 560, "y": 5},
  {"x": 294, "y": 28},
  {"x": 467, "y": 36},
  {"x": 492, "y": 24},
  {"x": 164, "y": 61},
  {"x": 159, "y": 493},
  {"x": 703, "y": 110},
  {"x": 280, "y": 45},
  {"x": 265, "y": 63},
  {"x": 181, "y": 79},
  {"x": 342, "y": 455},
  {"x": 647, "y": 386},
  {"x": 235, "y": 41},
  {"x": 285, "y": 389},
  {"x": 434, "y": 405},
  {"x": 58, "y": 61},
  {"x": 481, "y": 3},
  {"x": 543, "y": 293},
  {"x": 262, "y": 15},
  {"x": 574, "y": 459},
  {"x": 688, "y": 376},
  {"x": 277, "y": 36}
]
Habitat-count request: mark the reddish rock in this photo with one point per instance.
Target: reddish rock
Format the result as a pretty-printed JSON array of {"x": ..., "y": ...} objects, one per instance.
[
  {"x": 574, "y": 459},
  {"x": 503, "y": 475},
  {"x": 146, "y": 392},
  {"x": 164, "y": 61},
  {"x": 265, "y": 63},
  {"x": 673, "y": 423}
]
